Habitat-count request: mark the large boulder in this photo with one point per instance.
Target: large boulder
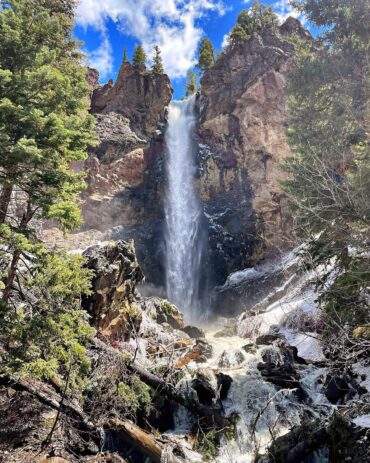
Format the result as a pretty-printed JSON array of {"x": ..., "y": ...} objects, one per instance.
[{"x": 116, "y": 275}]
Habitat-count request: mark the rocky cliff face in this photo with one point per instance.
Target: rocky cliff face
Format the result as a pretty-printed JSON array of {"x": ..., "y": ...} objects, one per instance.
[
  {"x": 242, "y": 141},
  {"x": 125, "y": 184},
  {"x": 138, "y": 95}
]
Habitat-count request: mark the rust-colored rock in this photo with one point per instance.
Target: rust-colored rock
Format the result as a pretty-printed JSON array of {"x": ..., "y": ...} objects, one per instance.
[
  {"x": 242, "y": 127},
  {"x": 138, "y": 95}
]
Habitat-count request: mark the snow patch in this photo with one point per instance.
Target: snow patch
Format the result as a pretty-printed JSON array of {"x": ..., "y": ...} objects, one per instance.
[{"x": 363, "y": 420}]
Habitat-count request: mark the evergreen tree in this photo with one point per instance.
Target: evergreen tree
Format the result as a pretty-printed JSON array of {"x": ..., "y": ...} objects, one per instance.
[
  {"x": 206, "y": 55},
  {"x": 125, "y": 59},
  {"x": 157, "y": 66},
  {"x": 139, "y": 57},
  {"x": 329, "y": 174},
  {"x": 44, "y": 126},
  {"x": 251, "y": 22},
  {"x": 191, "y": 85},
  {"x": 44, "y": 122}
]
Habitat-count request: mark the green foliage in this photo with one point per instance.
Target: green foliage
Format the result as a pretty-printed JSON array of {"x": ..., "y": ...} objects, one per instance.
[
  {"x": 157, "y": 66},
  {"x": 329, "y": 173},
  {"x": 206, "y": 55},
  {"x": 191, "y": 84},
  {"x": 46, "y": 336},
  {"x": 125, "y": 59},
  {"x": 251, "y": 22},
  {"x": 206, "y": 444},
  {"x": 139, "y": 57},
  {"x": 44, "y": 122},
  {"x": 167, "y": 308}
]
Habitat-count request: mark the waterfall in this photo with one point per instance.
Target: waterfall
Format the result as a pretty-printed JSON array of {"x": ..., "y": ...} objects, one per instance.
[{"x": 184, "y": 243}]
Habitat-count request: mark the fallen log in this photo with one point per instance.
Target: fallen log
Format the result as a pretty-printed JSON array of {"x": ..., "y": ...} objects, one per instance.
[
  {"x": 143, "y": 441},
  {"x": 212, "y": 415},
  {"x": 48, "y": 397}
]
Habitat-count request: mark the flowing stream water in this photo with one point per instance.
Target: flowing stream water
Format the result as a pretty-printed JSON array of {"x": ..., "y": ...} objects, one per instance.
[
  {"x": 184, "y": 243},
  {"x": 265, "y": 411}
]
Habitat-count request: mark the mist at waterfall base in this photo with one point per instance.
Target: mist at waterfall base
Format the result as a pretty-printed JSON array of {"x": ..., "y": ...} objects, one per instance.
[{"x": 185, "y": 239}]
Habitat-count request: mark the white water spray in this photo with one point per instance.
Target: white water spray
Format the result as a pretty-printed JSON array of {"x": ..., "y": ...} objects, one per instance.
[{"x": 183, "y": 211}]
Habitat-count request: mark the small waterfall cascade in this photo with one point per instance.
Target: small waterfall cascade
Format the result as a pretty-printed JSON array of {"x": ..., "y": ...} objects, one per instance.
[{"x": 184, "y": 243}]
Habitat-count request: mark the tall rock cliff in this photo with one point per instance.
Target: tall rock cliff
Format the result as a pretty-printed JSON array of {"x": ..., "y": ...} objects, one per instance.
[
  {"x": 242, "y": 125},
  {"x": 125, "y": 184},
  {"x": 240, "y": 141}
]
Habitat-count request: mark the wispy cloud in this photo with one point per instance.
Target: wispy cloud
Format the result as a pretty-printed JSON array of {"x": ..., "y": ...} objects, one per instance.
[
  {"x": 283, "y": 9},
  {"x": 102, "y": 57},
  {"x": 171, "y": 24}
]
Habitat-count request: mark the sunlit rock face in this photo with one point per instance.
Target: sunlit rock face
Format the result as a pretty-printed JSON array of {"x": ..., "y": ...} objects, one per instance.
[
  {"x": 125, "y": 171},
  {"x": 242, "y": 131},
  {"x": 138, "y": 95}
]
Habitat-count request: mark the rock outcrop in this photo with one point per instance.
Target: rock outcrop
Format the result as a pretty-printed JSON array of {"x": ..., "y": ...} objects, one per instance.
[
  {"x": 242, "y": 128},
  {"x": 116, "y": 275},
  {"x": 138, "y": 95},
  {"x": 125, "y": 182}
]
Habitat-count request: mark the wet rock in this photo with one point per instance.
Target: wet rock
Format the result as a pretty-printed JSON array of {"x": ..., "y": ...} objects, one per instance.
[
  {"x": 194, "y": 332},
  {"x": 205, "y": 392},
  {"x": 250, "y": 348},
  {"x": 279, "y": 369},
  {"x": 223, "y": 384},
  {"x": 231, "y": 359},
  {"x": 267, "y": 339},
  {"x": 341, "y": 388}
]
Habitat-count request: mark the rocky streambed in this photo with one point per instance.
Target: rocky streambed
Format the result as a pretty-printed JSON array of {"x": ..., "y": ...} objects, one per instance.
[{"x": 258, "y": 387}]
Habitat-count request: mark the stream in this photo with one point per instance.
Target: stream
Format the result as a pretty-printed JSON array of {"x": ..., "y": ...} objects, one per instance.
[{"x": 266, "y": 407}]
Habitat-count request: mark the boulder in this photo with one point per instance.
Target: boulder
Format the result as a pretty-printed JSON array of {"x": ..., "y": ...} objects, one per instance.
[
  {"x": 267, "y": 339},
  {"x": 193, "y": 331},
  {"x": 341, "y": 388},
  {"x": 112, "y": 302},
  {"x": 223, "y": 384}
]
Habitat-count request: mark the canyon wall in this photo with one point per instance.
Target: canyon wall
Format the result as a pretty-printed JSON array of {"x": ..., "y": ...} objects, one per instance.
[
  {"x": 242, "y": 131},
  {"x": 240, "y": 140}
]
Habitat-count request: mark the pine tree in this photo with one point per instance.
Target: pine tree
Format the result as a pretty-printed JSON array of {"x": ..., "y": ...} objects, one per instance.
[
  {"x": 44, "y": 122},
  {"x": 139, "y": 57},
  {"x": 329, "y": 174},
  {"x": 191, "y": 85},
  {"x": 206, "y": 55},
  {"x": 125, "y": 59},
  {"x": 251, "y": 22},
  {"x": 44, "y": 126},
  {"x": 157, "y": 66}
]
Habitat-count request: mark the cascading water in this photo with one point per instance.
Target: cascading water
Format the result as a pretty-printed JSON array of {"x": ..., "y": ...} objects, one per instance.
[{"x": 184, "y": 243}]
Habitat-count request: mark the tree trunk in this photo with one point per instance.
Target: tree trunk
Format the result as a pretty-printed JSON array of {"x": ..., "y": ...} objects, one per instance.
[
  {"x": 5, "y": 196},
  {"x": 27, "y": 216},
  {"x": 213, "y": 415},
  {"x": 134, "y": 436}
]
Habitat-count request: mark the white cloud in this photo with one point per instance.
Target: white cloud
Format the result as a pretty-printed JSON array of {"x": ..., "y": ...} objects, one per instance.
[
  {"x": 225, "y": 41},
  {"x": 102, "y": 57},
  {"x": 171, "y": 24},
  {"x": 284, "y": 10}
]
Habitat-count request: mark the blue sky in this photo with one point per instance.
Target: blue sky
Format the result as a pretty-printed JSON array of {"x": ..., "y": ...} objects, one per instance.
[{"x": 108, "y": 26}]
